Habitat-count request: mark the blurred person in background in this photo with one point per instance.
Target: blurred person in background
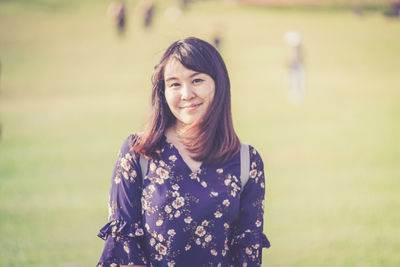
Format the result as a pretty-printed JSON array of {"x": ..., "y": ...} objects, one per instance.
[
  {"x": 296, "y": 67},
  {"x": 394, "y": 10},
  {"x": 147, "y": 7},
  {"x": 117, "y": 11},
  {"x": 186, "y": 191}
]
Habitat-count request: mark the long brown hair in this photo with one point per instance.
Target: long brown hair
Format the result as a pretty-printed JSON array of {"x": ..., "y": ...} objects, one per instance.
[{"x": 214, "y": 140}]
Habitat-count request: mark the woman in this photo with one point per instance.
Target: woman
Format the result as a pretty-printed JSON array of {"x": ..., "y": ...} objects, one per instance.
[{"x": 188, "y": 208}]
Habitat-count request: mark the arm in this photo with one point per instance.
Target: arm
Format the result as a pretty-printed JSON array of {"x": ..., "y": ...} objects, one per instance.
[
  {"x": 124, "y": 234},
  {"x": 249, "y": 239}
]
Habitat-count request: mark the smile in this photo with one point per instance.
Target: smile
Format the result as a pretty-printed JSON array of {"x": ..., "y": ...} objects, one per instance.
[{"x": 192, "y": 106}]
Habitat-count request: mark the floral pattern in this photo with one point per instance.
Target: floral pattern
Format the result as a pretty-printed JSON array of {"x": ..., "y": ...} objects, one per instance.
[{"x": 174, "y": 216}]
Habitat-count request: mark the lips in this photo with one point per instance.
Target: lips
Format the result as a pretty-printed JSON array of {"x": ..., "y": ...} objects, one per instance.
[{"x": 191, "y": 106}]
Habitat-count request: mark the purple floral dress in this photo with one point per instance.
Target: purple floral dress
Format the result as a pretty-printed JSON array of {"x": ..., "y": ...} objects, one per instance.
[{"x": 177, "y": 217}]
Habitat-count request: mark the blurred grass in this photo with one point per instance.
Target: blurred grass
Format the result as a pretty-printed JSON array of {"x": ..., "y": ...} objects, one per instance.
[{"x": 71, "y": 91}]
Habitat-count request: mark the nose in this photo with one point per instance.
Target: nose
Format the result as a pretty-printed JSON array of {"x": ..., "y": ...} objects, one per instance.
[{"x": 187, "y": 92}]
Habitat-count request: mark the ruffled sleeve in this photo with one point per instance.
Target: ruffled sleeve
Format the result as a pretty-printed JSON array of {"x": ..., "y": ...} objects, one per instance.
[
  {"x": 123, "y": 234},
  {"x": 248, "y": 237}
]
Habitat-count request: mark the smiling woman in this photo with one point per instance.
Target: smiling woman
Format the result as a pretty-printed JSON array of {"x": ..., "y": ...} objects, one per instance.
[{"x": 192, "y": 205}]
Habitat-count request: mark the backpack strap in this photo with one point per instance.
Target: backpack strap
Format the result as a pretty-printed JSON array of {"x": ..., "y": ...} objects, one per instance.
[
  {"x": 144, "y": 162},
  {"x": 244, "y": 165}
]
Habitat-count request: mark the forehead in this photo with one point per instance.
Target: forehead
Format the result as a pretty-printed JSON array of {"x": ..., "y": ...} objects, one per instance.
[{"x": 175, "y": 69}]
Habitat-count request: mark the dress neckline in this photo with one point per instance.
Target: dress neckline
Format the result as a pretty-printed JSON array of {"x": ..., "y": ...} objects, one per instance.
[{"x": 173, "y": 147}]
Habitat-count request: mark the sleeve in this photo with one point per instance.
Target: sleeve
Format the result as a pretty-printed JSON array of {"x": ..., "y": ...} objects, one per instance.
[
  {"x": 248, "y": 237},
  {"x": 124, "y": 234}
]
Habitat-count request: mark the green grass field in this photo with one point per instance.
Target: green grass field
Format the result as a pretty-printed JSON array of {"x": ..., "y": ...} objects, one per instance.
[{"x": 71, "y": 91}]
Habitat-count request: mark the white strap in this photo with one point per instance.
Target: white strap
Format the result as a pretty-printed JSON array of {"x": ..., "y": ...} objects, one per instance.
[
  {"x": 144, "y": 162},
  {"x": 244, "y": 165}
]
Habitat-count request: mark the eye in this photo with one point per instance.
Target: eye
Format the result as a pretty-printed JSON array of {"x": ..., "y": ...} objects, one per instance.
[
  {"x": 197, "y": 81},
  {"x": 174, "y": 85}
]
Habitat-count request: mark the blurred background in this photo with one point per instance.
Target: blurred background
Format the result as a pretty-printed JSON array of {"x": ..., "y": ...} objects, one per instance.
[{"x": 315, "y": 88}]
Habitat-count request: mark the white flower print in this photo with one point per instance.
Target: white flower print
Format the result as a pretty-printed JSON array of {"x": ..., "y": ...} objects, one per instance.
[
  {"x": 158, "y": 257},
  {"x": 253, "y": 174},
  {"x": 226, "y": 226},
  {"x": 160, "y": 237},
  {"x": 187, "y": 247},
  {"x": 117, "y": 179},
  {"x": 227, "y": 182},
  {"x": 195, "y": 175},
  {"x": 139, "y": 232},
  {"x": 188, "y": 219},
  {"x": 214, "y": 252},
  {"x": 126, "y": 175},
  {"x": 161, "y": 249},
  {"x": 253, "y": 165},
  {"x": 258, "y": 223},
  {"x": 133, "y": 175},
  {"x": 172, "y": 158},
  {"x": 159, "y": 180},
  {"x": 152, "y": 166},
  {"x": 177, "y": 214},
  {"x": 226, "y": 202},
  {"x": 168, "y": 209},
  {"x": 152, "y": 242},
  {"x": 219, "y": 170},
  {"x": 125, "y": 164},
  {"x": 171, "y": 263},
  {"x": 163, "y": 173},
  {"x": 200, "y": 231},
  {"x": 203, "y": 184},
  {"x": 128, "y": 156},
  {"x": 162, "y": 163},
  {"x": 262, "y": 185},
  {"x": 234, "y": 185},
  {"x": 223, "y": 252},
  {"x": 159, "y": 222},
  {"x": 214, "y": 194},
  {"x": 208, "y": 238},
  {"x": 152, "y": 188},
  {"x": 126, "y": 247},
  {"x": 145, "y": 205},
  {"x": 217, "y": 214},
  {"x": 226, "y": 244},
  {"x": 204, "y": 223},
  {"x": 178, "y": 202},
  {"x": 175, "y": 194},
  {"x": 175, "y": 186},
  {"x": 171, "y": 232},
  {"x": 198, "y": 241},
  {"x": 249, "y": 251}
]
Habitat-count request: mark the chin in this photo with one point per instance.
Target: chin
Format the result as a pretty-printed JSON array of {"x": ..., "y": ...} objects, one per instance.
[{"x": 189, "y": 121}]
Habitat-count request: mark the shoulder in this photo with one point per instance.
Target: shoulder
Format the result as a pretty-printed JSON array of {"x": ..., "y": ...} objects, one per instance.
[
  {"x": 128, "y": 143},
  {"x": 255, "y": 158}
]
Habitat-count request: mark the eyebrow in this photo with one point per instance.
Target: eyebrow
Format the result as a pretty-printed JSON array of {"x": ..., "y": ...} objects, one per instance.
[{"x": 174, "y": 78}]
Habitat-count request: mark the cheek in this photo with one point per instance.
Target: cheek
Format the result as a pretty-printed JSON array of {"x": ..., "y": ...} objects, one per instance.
[
  {"x": 211, "y": 92},
  {"x": 171, "y": 99}
]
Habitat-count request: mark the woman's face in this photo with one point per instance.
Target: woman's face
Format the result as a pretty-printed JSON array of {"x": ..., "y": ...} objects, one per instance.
[{"x": 188, "y": 93}]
